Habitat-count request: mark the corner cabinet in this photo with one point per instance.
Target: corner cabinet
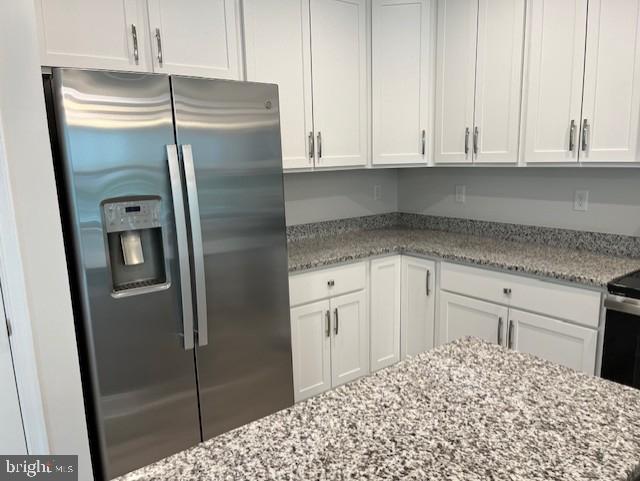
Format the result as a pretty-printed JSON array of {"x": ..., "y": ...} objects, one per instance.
[
  {"x": 142, "y": 36},
  {"x": 418, "y": 305},
  {"x": 402, "y": 39},
  {"x": 582, "y": 99},
  {"x": 385, "y": 311},
  {"x": 478, "y": 81}
]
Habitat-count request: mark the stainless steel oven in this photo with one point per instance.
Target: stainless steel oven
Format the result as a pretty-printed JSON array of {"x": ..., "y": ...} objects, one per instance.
[{"x": 621, "y": 346}]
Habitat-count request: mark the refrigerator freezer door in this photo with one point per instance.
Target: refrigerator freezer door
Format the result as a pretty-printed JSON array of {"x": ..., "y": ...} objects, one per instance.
[
  {"x": 244, "y": 371},
  {"x": 114, "y": 131}
]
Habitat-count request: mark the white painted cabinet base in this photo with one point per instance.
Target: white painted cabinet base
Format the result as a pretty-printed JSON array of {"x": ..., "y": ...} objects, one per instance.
[
  {"x": 350, "y": 338},
  {"x": 385, "y": 312},
  {"x": 418, "y": 305}
]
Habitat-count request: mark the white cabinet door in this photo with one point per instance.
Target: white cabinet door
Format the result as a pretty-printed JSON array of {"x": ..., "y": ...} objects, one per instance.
[
  {"x": 554, "y": 340},
  {"x": 498, "y": 80},
  {"x": 311, "y": 349},
  {"x": 198, "y": 38},
  {"x": 93, "y": 34},
  {"x": 350, "y": 338},
  {"x": 12, "y": 440},
  {"x": 278, "y": 50},
  {"x": 611, "y": 103},
  {"x": 385, "y": 312},
  {"x": 455, "y": 80},
  {"x": 400, "y": 84},
  {"x": 418, "y": 305},
  {"x": 553, "y": 72},
  {"x": 462, "y": 316},
  {"x": 340, "y": 86}
]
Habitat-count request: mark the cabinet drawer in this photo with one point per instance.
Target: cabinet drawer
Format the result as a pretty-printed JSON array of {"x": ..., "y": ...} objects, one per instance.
[
  {"x": 581, "y": 306},
  {"x": 312, "y": 286}
]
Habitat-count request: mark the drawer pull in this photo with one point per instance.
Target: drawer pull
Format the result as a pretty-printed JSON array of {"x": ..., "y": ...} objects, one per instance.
[
  {"x": 507, "y": 291},
  {"x": 331, "y": 283}
]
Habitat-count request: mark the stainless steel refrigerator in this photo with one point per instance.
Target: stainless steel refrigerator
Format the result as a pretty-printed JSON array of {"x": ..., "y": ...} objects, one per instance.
[{"x": 173, "y": 200}]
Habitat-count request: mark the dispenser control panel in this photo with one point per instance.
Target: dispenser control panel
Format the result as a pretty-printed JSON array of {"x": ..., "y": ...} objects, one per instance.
[{"x": 132, "y": 215}]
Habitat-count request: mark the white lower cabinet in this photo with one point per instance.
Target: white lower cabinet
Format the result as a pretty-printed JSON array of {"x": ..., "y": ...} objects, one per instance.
[
  {"x": 417, "y": 305},
  {"x": 385, "y": 312},
  {"x": 311, "y": 349},
  {"x": 329, "y": 329},
  {"x": 554, "y": 340},
  {"x": 349, "y": 338},
  {"x": 462, "y": 316}
]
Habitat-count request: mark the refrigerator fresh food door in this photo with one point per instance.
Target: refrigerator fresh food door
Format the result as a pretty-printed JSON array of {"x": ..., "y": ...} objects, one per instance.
[
  {"x": 114, "y": 132},
  {"x": 229, "y": 137}
]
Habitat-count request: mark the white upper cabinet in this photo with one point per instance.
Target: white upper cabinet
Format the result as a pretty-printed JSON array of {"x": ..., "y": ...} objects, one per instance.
[
  {"x": 402, "y": 38},
  {"x": 198, "y": 38},
  {"x": 418, "y": 305},
  {"x": 340, "y": 82},
  {"x": 553, "y": 87},
  {"x": 385, "y": 312},
  {"x": 462, "y": 316},
  {"x": 553, "y": 340},
  {"x": 350, "y": 339},
  {"x": 498, "y": 81},
  {"x": 611, "y": 102},
  {"x": 278, "y": 50},
  {"x": 455, "y": 80},
  {"x": 93, "y": 34}
]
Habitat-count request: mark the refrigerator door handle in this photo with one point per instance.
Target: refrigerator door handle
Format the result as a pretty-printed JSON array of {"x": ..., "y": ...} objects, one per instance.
[
  {"x": 196, "y": 239},
  {"x": 183, "y": 246}
]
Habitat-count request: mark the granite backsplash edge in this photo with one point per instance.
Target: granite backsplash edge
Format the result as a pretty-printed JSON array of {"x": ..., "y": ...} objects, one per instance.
[{"x": 610, "y": 244}]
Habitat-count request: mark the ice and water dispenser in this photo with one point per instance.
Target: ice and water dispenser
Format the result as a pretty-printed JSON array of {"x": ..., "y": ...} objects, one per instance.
[{"x": 135, "y": 243}]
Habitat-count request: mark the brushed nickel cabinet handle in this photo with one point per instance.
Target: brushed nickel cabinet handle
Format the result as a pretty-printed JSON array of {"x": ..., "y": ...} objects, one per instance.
[
  {"x": 510, "y": 335},
  {"x": 500, "y": 331},
  {"x": 466, "y": 141},
  {"x": 427, "y": 282},
  {"x": 475, "y": 140},
  {"x": 327, "y": 318},
  {"x": 134, "y": 36},
  {"x": 335, "y": 315},
  {"x": 572, "y": 136},
  {"x": 507, "y": 291},
  {"x": 312, "y": 149},
  {"x": 159, "y": 44},
  {"x": 424, "y": 142},
  {"x": 319, "y": 145},
  {"x": 585, "y": 135}
]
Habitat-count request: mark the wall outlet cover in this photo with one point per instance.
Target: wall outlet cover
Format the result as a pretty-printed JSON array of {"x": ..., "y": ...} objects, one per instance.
[
  {"x": 461, "y": 194},
  {"x": 377, "y": 192},
  {"x": 581, "y": 200}
]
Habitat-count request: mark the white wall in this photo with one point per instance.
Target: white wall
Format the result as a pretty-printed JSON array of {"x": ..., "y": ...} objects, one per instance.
[
  {"x": 32, "y": 258},
  {"x": 318, "y": 196},
  {"x": 533, "y": 196}
]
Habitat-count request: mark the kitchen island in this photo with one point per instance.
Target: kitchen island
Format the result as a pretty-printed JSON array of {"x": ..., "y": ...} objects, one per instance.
[{"x": 464, "y": 411}]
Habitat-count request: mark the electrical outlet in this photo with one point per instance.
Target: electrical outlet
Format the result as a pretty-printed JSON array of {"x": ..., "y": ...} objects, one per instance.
[
  {"x": 377, "y": 192},
  {"x": 461, "y": 194},
  {"x": 581, "y": 200}
]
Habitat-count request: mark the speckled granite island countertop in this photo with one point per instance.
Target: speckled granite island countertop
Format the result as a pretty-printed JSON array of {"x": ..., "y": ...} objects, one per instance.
[
  {"x": 466, "y": 411},
  {"x": 565, "y": 264}
]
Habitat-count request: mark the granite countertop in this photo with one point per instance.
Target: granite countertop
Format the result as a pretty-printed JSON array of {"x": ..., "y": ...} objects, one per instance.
[
  {"x": 565, "y": 264},
  {"x": 465, "y": 411}
]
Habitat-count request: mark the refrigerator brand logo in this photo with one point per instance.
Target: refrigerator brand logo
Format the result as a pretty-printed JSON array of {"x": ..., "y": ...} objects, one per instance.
[{"x": 20, "y": 468}]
